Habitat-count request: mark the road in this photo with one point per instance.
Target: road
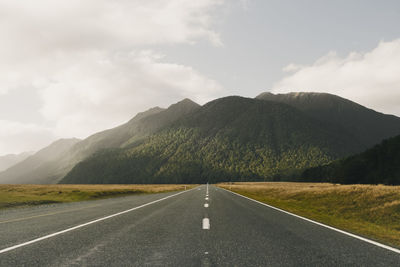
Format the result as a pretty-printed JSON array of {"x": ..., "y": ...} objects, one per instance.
[{"x": 176, "y": 229}]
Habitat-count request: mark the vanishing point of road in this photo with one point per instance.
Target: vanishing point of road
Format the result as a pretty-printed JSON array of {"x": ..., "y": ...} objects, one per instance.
[{"x": 204, "y": 226}]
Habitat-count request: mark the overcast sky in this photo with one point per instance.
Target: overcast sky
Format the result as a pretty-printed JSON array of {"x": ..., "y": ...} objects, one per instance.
[{"x": 69, "y": 68}]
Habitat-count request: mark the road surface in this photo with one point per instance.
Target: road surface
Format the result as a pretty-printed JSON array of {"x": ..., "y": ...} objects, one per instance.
[{"x": 189, "y": 228}]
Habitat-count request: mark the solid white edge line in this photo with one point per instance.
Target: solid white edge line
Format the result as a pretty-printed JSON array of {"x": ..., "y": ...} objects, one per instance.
[
  {"x": 321, "y": 224},
  {"x": 88, "y": 223}
]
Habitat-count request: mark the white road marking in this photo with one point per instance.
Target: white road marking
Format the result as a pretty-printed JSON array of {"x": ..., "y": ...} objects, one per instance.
[
  {"x": 206, "y": 252},
  {"x": 323, "y": 225},
  {"x": 47, "y": 214},
  {"x": 88, "y": 223},
  {"x": 206, "y": 224},
  {"x": 206, "y": 198},
  {"x": 206, "y": 205}
]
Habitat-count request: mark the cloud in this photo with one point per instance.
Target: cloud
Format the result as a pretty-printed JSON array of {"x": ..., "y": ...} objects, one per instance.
[
  {"x": 94, "y": 63},
  {"x": 74, "y": 25},
  {"x": 369, "y": 78},
  {"x": 33, "y": 32},
  {"x": 16, "y": 137},
  {"x": 105, "y": 90}
]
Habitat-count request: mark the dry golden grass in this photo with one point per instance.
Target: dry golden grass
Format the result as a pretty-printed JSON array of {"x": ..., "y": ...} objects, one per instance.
[
  {"x": 368, "y": 210},
  {"x": 23, "y": 195}
]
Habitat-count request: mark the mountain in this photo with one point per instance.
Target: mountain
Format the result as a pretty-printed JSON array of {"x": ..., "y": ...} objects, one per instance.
[
  {"x": 12, "y": 159},
  {"x": 141, "y": 125},
  {"x": 366, "y": 125},
  {"x": 114, "y": 137},
  {"x": 33, "y": 168},
  {"x": 377, "y": 165},
  {"x": 231, "y": 138},
  {"x": 271, "y": 137}
]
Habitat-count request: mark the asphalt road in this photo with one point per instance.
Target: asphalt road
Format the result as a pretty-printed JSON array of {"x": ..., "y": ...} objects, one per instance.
[{"x": 174, "y": 231}]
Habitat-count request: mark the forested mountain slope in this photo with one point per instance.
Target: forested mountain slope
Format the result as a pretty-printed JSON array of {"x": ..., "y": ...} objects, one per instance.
[
  {"x": 366, "y": 125},
  {"x": 377, "y": 165},
  {"x": 231, "y": 138}
]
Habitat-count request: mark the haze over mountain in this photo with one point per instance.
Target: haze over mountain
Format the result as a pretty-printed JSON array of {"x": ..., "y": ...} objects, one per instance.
[
  {"x": 232, "y": 138},
  {"x": 141, "y": 125},
  {"x": 41, "y": 167},
  {"x": 9, "y": 160}
]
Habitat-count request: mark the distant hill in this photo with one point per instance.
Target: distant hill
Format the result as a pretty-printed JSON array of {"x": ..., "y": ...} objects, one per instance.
[
  {"x": 234, "y": 138},
  {"x": 35, "y": 168},
  {"x": 12, "y": 159},
  {"x": 366, "y": 125},
  {"x": 378, "y": 165}
]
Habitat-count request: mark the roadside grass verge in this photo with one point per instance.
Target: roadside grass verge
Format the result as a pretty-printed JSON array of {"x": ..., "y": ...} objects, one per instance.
[
  {"x": 372, "y": 211},
  {"x": 27, "y": 195}
]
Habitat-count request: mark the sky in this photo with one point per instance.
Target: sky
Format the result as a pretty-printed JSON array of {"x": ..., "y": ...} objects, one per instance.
[{"x": 70, "y": 68}]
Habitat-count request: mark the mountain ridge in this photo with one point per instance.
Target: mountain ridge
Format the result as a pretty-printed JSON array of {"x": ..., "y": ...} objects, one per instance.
[
  {"x": 268, "y": 137},
  {"x": 343, "y": 114},
  {"x": 233, "y": 138}
]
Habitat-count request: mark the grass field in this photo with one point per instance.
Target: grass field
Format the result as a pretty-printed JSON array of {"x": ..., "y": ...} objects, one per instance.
[
  {"x": 25, "y": 195},
  {"x": 371, "y": 211}
]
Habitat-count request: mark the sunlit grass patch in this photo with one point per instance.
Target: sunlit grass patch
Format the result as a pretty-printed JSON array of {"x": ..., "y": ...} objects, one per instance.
[
  {"x": 368, "y": 210},
  {"x": 23, "y": 195}
]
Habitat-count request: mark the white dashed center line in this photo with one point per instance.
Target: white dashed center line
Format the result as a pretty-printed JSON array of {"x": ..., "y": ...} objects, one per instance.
[
  {"x": 206, "y": 224},
  {"x": 206, "y": 205}
]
